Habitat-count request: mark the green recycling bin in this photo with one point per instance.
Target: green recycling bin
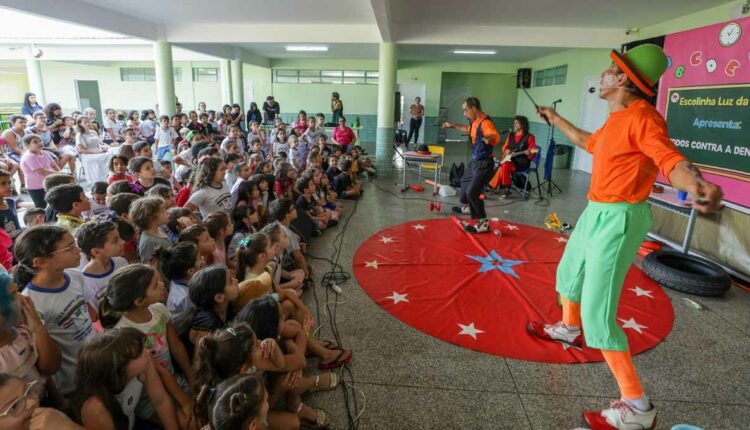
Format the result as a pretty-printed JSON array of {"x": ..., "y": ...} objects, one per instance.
[{"x": 562, "y": 157}]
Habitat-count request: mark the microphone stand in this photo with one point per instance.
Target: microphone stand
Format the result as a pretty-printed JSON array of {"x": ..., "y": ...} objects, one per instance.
[{"x": 548, "y": 182}]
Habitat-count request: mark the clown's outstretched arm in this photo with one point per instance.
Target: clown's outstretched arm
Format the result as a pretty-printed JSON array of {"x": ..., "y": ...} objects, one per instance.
[{"x": 576, "y": 135}]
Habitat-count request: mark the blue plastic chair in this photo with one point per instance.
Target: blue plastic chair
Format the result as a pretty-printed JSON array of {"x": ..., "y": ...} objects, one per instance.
[{"x": 533, "y": 168}]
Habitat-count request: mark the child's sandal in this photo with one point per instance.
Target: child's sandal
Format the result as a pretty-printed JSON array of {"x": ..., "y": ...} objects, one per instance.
[
  {"x": 322, "y": 422},
  {"x": 334, "y": 383}
]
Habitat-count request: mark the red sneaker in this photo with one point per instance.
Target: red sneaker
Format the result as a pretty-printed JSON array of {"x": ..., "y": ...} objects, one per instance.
[
  {"x": 621, "y": 415},
  {"x": 557, "y": 332}
]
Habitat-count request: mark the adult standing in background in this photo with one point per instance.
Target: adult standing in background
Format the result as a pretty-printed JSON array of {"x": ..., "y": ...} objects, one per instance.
[
  {"x": 270, "y": 109},
  {"x": 30, "y": 105},
  {"x": 253, "y": 114},
  {"x": 416, "y": 112},
  {"x": 337, "y": 107}
]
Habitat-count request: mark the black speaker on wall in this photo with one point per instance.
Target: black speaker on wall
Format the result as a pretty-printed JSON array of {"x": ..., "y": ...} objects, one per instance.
[{"x": 523, "y": 78}]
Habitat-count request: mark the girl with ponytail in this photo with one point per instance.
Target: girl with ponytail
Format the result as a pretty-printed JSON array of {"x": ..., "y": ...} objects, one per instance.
[
  {"x": 134, "y": 298},
  {"x": 47, "y": 257},
  {"x": 220, "y": 357},
  {"x": 114, "y": 369},
  {"x": 240, "y": 402}
]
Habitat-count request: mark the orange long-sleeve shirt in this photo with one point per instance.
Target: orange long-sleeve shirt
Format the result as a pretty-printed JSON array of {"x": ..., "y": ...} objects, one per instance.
[
  {"x": 629, "y": 150},
  {"x": 488, "y": 130}
]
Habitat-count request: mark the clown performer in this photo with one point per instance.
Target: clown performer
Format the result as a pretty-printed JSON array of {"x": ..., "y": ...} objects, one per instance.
[
  {"x": 628, "y": 151},
  {"x": 483, "y": 137}
]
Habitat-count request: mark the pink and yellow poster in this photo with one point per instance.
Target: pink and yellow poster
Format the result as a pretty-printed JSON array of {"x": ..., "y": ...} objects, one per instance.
[{"x": 705, "y": 97}]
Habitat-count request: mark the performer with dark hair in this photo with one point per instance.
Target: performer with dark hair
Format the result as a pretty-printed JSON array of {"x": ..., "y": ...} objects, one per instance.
[
  {"x": 483, "y": 138},
  {"x": 518, "y": 151},
  {"x": 628, "y": 151}
]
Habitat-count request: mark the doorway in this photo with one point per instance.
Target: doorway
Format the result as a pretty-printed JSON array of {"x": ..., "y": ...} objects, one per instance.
[
  {"x": 451, "y": 99},
  {"x": 87, "y": 93},
  {"x": 408, "y": 93},
  {"x": 594, "y": 112}
]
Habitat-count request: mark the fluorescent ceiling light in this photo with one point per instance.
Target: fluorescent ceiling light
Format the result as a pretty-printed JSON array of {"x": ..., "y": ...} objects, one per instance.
[
  {"x": 474, "y": 52},
  {"x": 307, "y": 48}
]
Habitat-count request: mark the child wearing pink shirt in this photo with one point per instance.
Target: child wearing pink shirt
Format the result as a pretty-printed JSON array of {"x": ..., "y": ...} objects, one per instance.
[{"x": 36, "y": 164}]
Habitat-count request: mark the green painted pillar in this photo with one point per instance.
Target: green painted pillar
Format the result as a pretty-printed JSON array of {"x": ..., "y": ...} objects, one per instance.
[
  {"x": 36, "y": 83},
  {"x": 226, "y": 82},
  {"x": 238, "y": 85},
  {"x": 164, "y": 77},
  {"x": 387, "y": 65}
]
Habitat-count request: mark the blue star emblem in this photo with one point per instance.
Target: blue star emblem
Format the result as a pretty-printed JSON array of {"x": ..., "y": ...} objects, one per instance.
[{"x": 496, "y": 262}]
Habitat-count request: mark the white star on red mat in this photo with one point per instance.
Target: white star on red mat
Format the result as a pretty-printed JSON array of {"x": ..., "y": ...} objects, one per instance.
[
  {"x": 398, "y": 298},
  {"x": 419, "y": 227},
  {"x": 640, "y": 292},
  {"x": 631, "y": 323},
  {"x": 469, "y": 330},
  {"x": 511, "y": 227},
  {"x": 562, "y": 239},
  {"x": 386, "y": 239},
  {"x": 373, "y": 264}
]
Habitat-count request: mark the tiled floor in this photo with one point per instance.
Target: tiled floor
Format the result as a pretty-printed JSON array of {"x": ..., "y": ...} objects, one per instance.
[{"x": 699, "y": 375}]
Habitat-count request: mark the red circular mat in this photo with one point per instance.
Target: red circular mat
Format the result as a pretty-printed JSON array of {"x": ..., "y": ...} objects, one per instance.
[{"x": 480, "y": 291}]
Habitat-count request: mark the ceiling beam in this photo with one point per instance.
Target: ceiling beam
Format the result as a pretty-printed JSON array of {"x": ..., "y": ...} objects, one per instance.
[
  {"x": 382, "y": 11},
  {"x": 476, "y": 35},
  {"x": 204, "y": 32},
  {"x": 227, "y": 52},
  {"x": 86, "y": 14}
]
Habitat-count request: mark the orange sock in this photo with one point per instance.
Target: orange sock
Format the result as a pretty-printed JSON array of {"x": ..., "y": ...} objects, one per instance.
[
  {"x": 571, "y": 312},
  {"x": 621, "y": 364}
]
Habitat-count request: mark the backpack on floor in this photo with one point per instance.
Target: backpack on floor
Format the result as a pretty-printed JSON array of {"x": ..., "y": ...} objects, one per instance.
[{"x": 456, "y": 172}]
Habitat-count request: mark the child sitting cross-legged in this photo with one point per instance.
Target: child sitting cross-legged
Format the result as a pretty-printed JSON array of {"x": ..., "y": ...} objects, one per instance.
[
  {"x": 220, "y": 228},
  {"x": 26, "y": 348},
  {"x": 97, "y": 201},
  {"x": 101, "y": 243},
  {"x": 33, "y": 217},
  {"x": 198, "y": 234},
  {"x": 69, "y": 201},
  {"x": 245, "y": 219},
  {"x": 135, "y": 298},
  {"x": 47, "y": 257},
  {"x": 283, "y": 211},
  {"x": 114, "y": 370},
  {"x": 281, "y": 243},
  {"x": 148, "y": 214},
  {"x": 145, "y": 174},
  {"x": 118, "y": 170},
  {"x": 240, "y": 402},
  {"x": 225, "y": 353},
  {"x": 212, "y": 290},
  {"x": 178, "y": 219},
  {"x": 179, "y": 263},
  {"x": 254, "y": 259},
  {"x": 263, "y": 316},
  {"x": 306, "y": 204}
]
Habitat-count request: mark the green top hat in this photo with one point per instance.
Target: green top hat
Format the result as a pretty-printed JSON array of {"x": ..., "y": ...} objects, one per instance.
[{"x": 643, "y": 65}]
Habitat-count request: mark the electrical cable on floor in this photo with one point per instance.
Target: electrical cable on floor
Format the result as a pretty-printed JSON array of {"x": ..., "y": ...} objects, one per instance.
[{"x": 333, "y": 278}]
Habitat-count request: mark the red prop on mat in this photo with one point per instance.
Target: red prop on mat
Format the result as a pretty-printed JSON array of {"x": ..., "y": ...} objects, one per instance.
[{"x": 480, "y": 291}]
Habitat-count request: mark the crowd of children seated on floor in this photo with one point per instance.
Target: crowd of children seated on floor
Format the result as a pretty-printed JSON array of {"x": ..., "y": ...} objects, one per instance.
[{"x": 167, "y": 294}]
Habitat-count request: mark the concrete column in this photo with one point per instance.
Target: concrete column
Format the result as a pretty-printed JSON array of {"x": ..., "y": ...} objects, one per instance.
[
  {"x": 164, "y": 77},
  {"x": 238, "y": 85},
  {"x": 226, "y": 82},
  {"x": 36, "y": 83},
  {"x": 387, "y": 65}
]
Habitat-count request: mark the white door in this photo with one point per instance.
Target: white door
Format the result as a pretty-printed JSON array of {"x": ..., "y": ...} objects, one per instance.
[
  {"x": 408, "y": 93},
  {"x": 594, "y": 112}
]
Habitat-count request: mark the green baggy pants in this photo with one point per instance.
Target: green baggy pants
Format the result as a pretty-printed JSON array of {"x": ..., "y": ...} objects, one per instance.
[{"x": 594, "y": 264}]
